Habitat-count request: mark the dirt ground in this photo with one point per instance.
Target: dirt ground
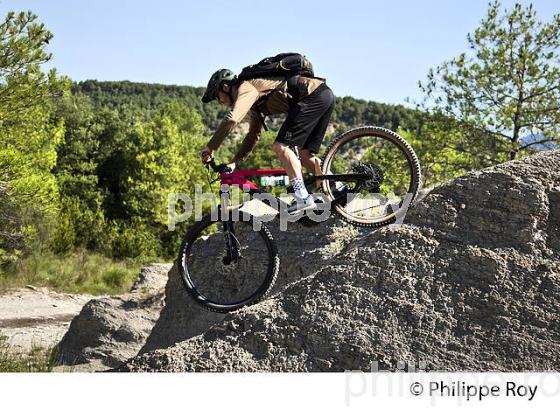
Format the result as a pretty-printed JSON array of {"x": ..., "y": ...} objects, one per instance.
[{"x": 37, "y": 317}]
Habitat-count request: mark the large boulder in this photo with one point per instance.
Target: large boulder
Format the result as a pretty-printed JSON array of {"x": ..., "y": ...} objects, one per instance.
[
  {"x": 470, "y": 282},
  {"x": 302, "y": 251},
  {"x": 108, "y": 330}
]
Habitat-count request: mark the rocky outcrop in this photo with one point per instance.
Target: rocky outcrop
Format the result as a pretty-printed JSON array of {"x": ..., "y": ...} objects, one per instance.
[
  {"x": 109, "y": 330},
  {"x": 302, "y": 251},
  {"x": 158, "y": 312},
  {"x": 470, "y": 282}
]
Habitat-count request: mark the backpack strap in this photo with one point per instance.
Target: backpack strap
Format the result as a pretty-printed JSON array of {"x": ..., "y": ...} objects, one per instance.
[
  {"x": 261, "y": 117},
  {"x": 261, "y": 101},
  {"x": 292, "y": 85}
]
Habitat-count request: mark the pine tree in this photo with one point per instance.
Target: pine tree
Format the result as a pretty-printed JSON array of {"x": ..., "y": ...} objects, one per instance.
[{"x": 507, "y": 86}]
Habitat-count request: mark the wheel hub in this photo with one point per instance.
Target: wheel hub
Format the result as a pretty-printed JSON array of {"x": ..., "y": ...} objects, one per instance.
[
  {"x": 374, "y": 175},
  {"x": 227, "y": 267}
]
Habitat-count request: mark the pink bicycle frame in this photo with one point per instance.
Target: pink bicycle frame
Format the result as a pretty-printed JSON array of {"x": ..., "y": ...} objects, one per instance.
[{"x": 240, "y": 177}]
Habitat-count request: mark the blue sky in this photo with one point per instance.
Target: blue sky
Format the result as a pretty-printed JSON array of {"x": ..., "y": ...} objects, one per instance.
[{"x": 376, "y": 50}]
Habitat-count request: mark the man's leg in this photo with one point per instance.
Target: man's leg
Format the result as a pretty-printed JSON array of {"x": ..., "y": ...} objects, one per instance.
[
  {"x": 288, "y": 159},
  {"x": 310, "y": 161},
  {"x": 290, "y": 163},
  {"x": 301, "y": 121},
  {"x": 325, "y": 101}
]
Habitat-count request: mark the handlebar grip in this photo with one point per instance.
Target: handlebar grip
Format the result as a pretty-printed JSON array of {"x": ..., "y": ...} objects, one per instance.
[{"x": 211, "y": 164}]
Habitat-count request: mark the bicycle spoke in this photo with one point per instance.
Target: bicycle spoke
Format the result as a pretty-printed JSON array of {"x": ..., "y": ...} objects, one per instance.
[
  {"x": 218, "y": 277},
  {"x": 389, "y": 171}
]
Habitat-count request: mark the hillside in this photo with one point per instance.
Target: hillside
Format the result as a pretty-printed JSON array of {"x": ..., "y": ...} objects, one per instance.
[{"x": 147, "y": 97}]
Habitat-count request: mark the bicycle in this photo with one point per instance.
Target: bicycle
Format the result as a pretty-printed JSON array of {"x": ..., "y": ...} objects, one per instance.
[{"x": 367, "y": 174}]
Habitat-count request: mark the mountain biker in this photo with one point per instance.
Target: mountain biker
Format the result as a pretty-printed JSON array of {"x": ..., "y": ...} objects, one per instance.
[{"x": 309, "y": 107}]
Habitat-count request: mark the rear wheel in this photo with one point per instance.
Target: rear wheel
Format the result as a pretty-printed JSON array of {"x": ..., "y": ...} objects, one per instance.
[
  {"x": 227, "y": 264},
  {"x": 389, "y": 170}
]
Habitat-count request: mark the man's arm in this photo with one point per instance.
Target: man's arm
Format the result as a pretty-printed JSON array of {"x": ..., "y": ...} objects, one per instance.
[
  {"x": 247, "y": 95},
  {"x": 249, "y": 142}
]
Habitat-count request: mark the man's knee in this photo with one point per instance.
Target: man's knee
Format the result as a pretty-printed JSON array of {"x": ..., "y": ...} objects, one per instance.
[
  {"x": 305, "y": 154},
  {"x": 279, "y": 148}
]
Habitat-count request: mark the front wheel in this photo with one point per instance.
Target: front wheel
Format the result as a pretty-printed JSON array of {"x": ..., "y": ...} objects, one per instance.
[
  {"x": 227, "y": 264},
  {"x": 375, "y": 174}
]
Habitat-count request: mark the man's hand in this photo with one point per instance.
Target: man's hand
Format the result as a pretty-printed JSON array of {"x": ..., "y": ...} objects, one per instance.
[
  {"x": 206, "y": 155},
  {"x": 231, "y": 166}
]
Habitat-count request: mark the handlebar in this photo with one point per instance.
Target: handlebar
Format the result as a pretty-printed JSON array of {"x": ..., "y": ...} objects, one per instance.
[{"x": 222, "y": 168}]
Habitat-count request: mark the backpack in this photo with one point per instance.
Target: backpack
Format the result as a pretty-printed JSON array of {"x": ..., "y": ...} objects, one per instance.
[
  {"x": 282, "y": 65},
  {"x": 287, "y": 65}
]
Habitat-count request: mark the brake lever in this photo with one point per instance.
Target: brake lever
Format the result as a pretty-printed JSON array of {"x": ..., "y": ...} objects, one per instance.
[{"x": 223, "y": 169}]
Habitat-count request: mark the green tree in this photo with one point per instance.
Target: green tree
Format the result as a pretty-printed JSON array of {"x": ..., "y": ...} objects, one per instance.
[
  {"x": 22, "y": 52},
  {"x": 507, "y": 86},
  {"x": 165, "y": 155},
  {"x": 28, "y": 137},
  {"x": 81, "y": 219},
  {"x": 163, "y": 160},
  {"x": 115, "y": 170},
  {"x": 446, "y": 152},
  {"x": 77, "y": 155}
]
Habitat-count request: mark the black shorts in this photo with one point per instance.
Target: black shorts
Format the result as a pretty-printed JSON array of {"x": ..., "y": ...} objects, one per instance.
[{"x": 307, "y": 120}]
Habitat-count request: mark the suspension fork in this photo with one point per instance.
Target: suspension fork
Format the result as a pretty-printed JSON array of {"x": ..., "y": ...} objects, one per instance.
[
  {"x": 232, "y": 245},
  {"x": 230, "y": 238}
]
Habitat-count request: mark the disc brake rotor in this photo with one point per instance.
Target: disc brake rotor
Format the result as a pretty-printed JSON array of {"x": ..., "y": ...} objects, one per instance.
[{"x": 374, "y": 174}]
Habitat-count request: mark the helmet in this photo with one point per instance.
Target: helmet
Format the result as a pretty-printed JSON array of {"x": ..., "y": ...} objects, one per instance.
[{"x": 215, "y": 82}]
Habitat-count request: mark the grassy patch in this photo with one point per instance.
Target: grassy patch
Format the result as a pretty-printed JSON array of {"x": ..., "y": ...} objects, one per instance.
[
  {"x": 37, "y": 360},
  {"x": 79, "y": 272}
]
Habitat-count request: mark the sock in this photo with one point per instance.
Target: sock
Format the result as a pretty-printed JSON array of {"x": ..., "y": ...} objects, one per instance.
[{"x": 299, "y": 188}]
